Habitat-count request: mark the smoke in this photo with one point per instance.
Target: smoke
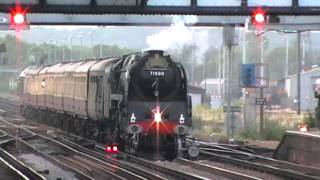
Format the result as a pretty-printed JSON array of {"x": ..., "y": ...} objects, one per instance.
[{"x": 179, "y": 35}]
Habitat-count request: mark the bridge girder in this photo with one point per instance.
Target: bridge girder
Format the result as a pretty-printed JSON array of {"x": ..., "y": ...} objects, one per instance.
[{"x": 141, "y": 7}]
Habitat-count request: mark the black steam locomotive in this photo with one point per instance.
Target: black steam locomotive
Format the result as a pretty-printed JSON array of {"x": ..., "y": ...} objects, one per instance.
[{"x": 138, "y": 101}]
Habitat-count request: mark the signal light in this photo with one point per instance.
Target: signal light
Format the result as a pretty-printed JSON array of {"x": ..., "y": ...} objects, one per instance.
[
  {"x": 108, "y": 149},
  {"x": 258, "y": 18},
  {"x": 115, "y": 149},
  {"x": 18, "y": 19},
  {"x": 112, "y": 149}
]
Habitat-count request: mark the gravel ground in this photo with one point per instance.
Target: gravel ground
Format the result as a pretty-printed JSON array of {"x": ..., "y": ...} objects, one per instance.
[
  {"x": 191, "y": 170},
  {"x": 46, "y": 168},
  {"x": 246, "y": 171},
  {"x": 264, "y": 144}
]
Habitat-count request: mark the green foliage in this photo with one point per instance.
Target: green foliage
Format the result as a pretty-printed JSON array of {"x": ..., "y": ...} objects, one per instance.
[
  {"x": 111, "y": 50},
  {"x": 273, "y": 130},
  {"x": 196, "y": 122},
  {"x": 309, "y": 120},
  {"x": 24, "y": 53},
  {"x": 238, "y": 102},
  {"x": 207, "y": 114},
  {"x": 249, "y": 133},
  {"x": 207, "y": 122},
  {"x": 20, "y": 52}
]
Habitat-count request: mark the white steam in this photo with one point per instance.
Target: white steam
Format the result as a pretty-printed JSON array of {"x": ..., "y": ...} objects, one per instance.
[{"x": 179, "y": 35}]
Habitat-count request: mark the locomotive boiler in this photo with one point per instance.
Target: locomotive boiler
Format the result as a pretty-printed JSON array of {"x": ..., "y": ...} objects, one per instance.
[{"x": 138, "y": 101}]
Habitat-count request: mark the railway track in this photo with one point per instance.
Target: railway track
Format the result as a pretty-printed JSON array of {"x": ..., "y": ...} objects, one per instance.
[
  {"x": 11, "y": 108},
  {"x": 286, "y": 169},
  {"x": 137, "y": 164},
  {"x": 104, "y": 163},
  {"x": 83, "y": 165},
  {"x": 286, "y": 173},
  {"x": 170, "y": 173},
  {"x": 214, "y": 153},
  {"x": 216, "y": 170},
  {"x": 39, "y": 158},
  {"x": 11, "y": 168}
]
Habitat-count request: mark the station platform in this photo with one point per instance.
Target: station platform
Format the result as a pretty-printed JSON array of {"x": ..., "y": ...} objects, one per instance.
[{"x": 300, "y": 147}]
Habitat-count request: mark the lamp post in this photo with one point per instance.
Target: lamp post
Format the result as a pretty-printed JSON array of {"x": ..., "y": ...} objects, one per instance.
[
  {"x": 262, "y": 43},
  {"x": 71, "y": 47},
  {"x": 287, "y": 57},
  {"x": 101, "y": 41},
  {"x": 244, "y": 61},
  {"x": 49, "y": 46},
  {"x": 55, "y": 51},
  {"x": 63, "y": 44},
  {"x": 299, "y": 74},
  {"x": 80, "y": 38},
  {"x": 92, "y": 33}
]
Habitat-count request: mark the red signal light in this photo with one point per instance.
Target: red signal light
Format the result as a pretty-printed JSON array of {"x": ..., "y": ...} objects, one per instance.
[
  {"x": 115, "y": 149},
  {"x": 258, "y": 18},
  {"x": 111, "y": 149},
  {"x": 108, "y": 149},
  {"x": 18, "y": 18}
]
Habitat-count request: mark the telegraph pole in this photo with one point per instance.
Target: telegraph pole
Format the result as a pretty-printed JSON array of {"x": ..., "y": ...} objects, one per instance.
[
  {"x": 229, "y": 40},
  {"x": 229, "y": 91},
  {"x": 219, "y": 71},
  {"x": 244, "y": 60},
  {"x": 261, "y": 88},
  {"x": 299, "y": 75},
  {"x": 55, "y": 51},
  {"x": 287, "y": 57},
  {"x": 71, "y": 48}
]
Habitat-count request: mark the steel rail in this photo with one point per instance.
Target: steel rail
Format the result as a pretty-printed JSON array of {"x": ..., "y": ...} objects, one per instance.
[
  {"x": 216, "y": 170},
  {"x": 257, "y": 166},
  {"x": 171, "y": 172},
  {"x": 19, "y": 166},
  {"x": 101, "y": 157},
  {"x": 121, "y": 171}
]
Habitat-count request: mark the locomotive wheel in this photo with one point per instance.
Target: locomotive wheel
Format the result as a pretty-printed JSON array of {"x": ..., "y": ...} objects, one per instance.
[
  {"x": 171, "y": 152},
  {"x": 132, "y": 145},
  {"x": 171, "y": 148}
]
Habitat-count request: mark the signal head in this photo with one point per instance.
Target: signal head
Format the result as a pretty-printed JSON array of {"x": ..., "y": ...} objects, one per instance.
[
  {"x": 18, "y": 18},
  {"x": 258, "y": 18}
]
